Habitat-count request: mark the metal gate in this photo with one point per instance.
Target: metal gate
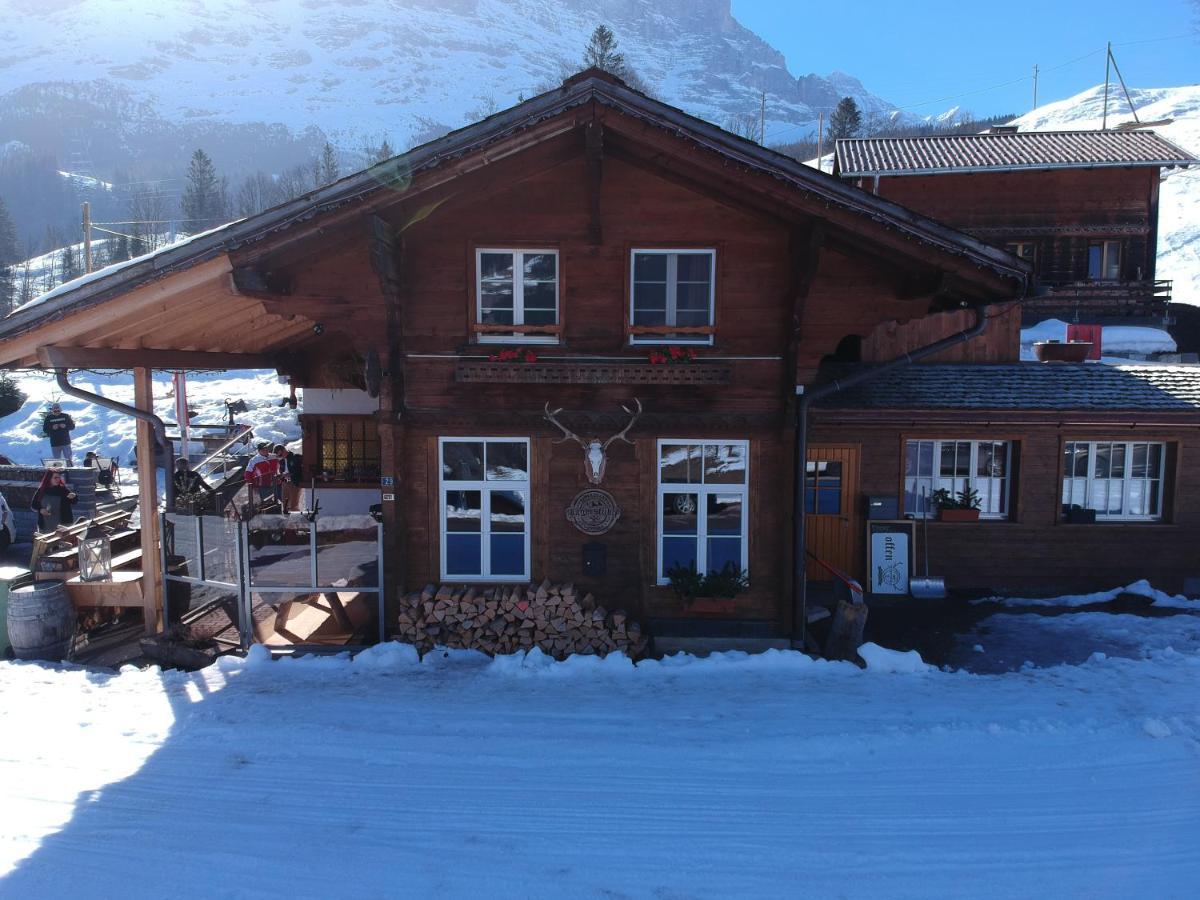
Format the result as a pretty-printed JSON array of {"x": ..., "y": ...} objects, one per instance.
[{"x": 283, "y": 581}]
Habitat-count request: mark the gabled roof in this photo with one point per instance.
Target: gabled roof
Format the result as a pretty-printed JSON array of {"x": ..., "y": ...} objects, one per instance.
[
  {"x": 1029, "y": 386},
  {"x": 1005, "y": 151},
  {"x": 407, "y": 173}
]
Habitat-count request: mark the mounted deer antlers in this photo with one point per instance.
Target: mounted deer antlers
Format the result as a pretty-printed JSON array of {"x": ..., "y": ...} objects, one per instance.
[{"x": 594, "y": 456}]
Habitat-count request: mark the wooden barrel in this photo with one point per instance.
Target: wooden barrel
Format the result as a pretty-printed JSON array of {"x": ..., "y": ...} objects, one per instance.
[{"x": 41, "y": 621}]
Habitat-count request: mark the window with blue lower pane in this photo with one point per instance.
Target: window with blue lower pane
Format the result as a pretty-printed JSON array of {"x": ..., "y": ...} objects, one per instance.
[
  {"x": 485, "y": 499},
  {"x": 702, "y": 493}
]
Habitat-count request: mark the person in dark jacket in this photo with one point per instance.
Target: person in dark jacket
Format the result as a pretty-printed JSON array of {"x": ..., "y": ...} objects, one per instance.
[
  {"x": 291, "y": 476},
  {"x": 57, "y": 426},
  {"x": 52, "y": 502}
]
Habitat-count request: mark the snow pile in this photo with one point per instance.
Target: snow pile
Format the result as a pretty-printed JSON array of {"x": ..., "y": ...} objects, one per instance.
[
  {"x": 1141, "y": 588},
  {"x": 1117, "y": 343},
  {"x": 880, "y": 659}
]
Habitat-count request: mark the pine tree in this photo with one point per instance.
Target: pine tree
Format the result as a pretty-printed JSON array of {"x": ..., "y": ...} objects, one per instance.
[
  {"x": 9, "y": 256},
  {"x": 329, "y": 164},
  {"x": 384, "y": 152},
  {"x": 71, "y": 268},
  {"x": 12, "y": 397},
  {"x": 846, "y": 120},
  {"x": 601, "y": 52},
  {"x": 205, "y": 202}
]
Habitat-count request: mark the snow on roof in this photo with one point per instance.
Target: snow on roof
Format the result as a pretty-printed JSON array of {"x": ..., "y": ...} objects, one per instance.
[{"x": 100, "y": 274}]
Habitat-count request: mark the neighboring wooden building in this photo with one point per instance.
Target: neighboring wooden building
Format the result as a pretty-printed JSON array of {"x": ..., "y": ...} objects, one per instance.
[
  {"x": 594, "y": 229},
  {"x": 1081, "y": 206}
]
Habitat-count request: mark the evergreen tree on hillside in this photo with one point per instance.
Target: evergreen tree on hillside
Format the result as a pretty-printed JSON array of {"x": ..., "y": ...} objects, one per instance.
[
  {"x": 9, "y": 256},
  {"x": 602, "y": 51},
  {"x": 12, "y": 397},
  {"x": 383, "y": 152},
  {"x": 71, "y": 266},
  {"x": 205, "y": 202},
  {"x": 846, "y": 120},
  {"x": 329, "y": 164}
]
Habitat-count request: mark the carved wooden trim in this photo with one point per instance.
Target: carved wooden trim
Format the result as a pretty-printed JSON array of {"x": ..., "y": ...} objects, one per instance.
[{"x": 591, "y": 373}]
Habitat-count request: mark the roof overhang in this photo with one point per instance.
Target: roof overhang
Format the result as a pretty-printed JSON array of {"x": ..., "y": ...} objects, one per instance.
[{"x": 200, "y": 268}]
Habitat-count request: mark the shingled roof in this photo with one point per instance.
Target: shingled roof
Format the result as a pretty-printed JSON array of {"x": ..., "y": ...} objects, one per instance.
[
  {"x": 1030, "y": 386},
  {"x": 1006, "y": 151}
]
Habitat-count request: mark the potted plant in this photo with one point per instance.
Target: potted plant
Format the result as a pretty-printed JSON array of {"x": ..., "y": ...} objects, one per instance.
[
  {"x": 712, "y": 593},
  {"x": 1057, "y": 351},
  {"x": 960, "y": 507},
  {"x": 1078, "y": 515}
]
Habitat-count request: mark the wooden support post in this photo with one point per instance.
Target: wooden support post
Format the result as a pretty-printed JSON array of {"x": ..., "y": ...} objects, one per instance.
[
  {"x": 152, "y": 586},
  {"x": 386, "y": 251}
]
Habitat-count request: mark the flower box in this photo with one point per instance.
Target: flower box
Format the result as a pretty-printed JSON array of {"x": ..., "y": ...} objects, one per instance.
[
  {"x": 958, "y": 515},
  {"x": 711, "y": 606},
  {"x": 1077, "y": 515},
  {"x": 481, "y": 372},
  {"x": 1055, "y": 351}
]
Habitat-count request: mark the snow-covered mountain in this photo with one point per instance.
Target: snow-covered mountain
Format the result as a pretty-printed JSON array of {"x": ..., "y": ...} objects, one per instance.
[
  {"x": 1179, "y": 198},
  {"x": 361, "y": 69}
]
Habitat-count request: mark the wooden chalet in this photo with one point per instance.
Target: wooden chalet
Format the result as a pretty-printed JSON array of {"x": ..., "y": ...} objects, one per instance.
[
  {"x": 1081, "y": 206},
  {"x": 495, "y": 333}
]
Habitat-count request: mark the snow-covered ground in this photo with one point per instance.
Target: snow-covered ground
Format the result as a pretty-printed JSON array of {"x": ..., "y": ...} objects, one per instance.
[
  {"x": 736, "y": 775},
  {"x": 113, "y": 434}
]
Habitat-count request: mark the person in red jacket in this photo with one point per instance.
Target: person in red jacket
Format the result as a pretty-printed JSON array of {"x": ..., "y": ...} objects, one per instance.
[{"x": 261, "y": 472}]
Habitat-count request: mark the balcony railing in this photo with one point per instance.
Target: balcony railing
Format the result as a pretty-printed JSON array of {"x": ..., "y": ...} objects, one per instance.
[{"x": 1102, "y": 298}]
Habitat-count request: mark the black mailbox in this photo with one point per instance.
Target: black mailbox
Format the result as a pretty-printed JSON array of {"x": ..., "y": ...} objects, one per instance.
[
  {"x": 595, "y": 559},
  {"x": 883, "y": 507}
]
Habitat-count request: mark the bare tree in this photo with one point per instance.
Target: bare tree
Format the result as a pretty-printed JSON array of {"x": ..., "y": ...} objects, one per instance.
[{"x": 744, "y": 125}]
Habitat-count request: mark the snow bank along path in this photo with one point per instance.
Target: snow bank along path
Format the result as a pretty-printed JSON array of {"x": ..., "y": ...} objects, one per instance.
[{"x": 731, "y": 776}]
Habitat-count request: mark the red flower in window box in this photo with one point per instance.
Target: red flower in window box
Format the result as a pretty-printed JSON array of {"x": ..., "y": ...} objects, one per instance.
[
  {"x": 674, "y": 355},
  {"x": 513, "y": 356}
]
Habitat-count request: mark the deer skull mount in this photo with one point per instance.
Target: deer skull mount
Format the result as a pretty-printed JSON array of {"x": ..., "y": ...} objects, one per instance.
[{"x": 594, "y": 450}]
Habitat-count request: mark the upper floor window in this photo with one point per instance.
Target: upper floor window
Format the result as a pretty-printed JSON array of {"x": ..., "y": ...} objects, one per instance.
[
  {"x": 672, "y": 296},
  {"x": 516, "y": 288},
  {"x": 1104, "y": 261},
  {"x": 1118, "y": 479},
  {"x": 957, "y": 466}
]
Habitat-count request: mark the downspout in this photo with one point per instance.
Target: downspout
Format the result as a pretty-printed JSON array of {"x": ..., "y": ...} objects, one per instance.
[
  {"x": 160, "y": 429},
  {"x": 799, "y": 579}
]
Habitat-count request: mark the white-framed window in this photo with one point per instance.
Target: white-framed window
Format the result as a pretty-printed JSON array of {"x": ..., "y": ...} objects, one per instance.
[
  {"x": 955, "y": 466},
  {"x": 672, "y": 296},
  {"x": 1120, "y": 480},
  {"x": 484, "y": 505},
  {"x": 516, "y": 287},
  {"x": 702, "y": 491},
  {"x": 1104, "y": 261}
]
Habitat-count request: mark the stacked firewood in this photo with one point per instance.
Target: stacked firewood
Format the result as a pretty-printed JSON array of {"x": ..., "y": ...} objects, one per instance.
[{"x": 507, "y": 619}]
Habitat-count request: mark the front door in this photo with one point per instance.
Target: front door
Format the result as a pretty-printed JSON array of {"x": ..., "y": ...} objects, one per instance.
[{"x": 832, "y": 508}]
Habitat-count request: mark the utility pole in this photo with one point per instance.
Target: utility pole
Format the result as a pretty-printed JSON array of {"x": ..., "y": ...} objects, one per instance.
[
  {"x": 762, "y": 120},
  {"x": 87, "y": 236},
  {"x": 820, "y": 135},
  {"x": 1107, "y": 65},
  {"x": 1035, "y": 78}
]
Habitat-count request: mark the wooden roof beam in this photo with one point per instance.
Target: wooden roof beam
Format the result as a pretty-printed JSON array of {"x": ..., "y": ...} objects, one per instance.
[{"x": 104, "y": 358}]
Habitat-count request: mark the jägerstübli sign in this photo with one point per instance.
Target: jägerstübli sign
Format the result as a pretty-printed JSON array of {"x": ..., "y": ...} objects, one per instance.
[{"x": 889, "y": 562}]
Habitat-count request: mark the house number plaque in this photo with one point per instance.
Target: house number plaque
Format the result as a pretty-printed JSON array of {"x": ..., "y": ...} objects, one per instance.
[{"x": 593, "y": 511}]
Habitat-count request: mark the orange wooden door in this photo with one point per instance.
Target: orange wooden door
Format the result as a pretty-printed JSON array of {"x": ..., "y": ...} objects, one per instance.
[{"x": 832, "y": 507}]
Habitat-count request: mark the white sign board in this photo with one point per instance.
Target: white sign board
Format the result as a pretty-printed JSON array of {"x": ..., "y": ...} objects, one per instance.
[{"x": 889, "y": 562}]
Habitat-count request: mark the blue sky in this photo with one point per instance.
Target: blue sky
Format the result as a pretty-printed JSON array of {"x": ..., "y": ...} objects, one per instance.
[{"x": 933, "y": 54}]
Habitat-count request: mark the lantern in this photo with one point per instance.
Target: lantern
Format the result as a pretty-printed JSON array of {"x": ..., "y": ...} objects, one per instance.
[{"x": 95, "y": 556}]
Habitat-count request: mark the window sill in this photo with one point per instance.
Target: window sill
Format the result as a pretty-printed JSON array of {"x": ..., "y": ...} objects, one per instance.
[{"x": 1121, "y": 523}]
